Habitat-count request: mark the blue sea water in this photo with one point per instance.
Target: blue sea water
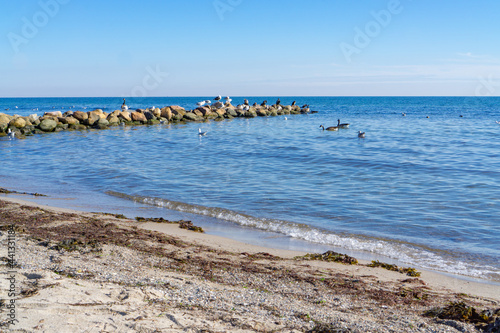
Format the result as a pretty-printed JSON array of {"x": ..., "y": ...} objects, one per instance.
[{"x": 422, "y": 189}]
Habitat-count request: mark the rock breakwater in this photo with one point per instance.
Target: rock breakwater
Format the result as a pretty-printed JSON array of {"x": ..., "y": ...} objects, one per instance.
[{"x": 57, "y": 121}]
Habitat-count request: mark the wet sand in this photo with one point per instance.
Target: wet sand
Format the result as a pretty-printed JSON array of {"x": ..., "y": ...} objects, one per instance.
[{"x": 92, "y": 272}]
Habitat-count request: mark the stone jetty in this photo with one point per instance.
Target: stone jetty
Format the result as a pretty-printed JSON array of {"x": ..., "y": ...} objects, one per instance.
[{"x": 57, "y": 121}]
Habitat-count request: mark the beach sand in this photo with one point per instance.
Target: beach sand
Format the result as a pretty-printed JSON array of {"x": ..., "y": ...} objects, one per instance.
[{"x": 95, "y": 272}]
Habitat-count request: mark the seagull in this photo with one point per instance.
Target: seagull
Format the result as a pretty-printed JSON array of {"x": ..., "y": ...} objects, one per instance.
[
  {"x": 228, "y": 100},
  {"x": 498, "y": 122},
  {"x": 200, "y": 133},
  {"x": 331, "y": 128},
  {"x": 218, "y": 98},
  {"x": 246, "y": 108},
  {"x": 286, "y": 118},
  {"x": 361, "y": 135},
  {"x": 344, "y": 125},
  {"x": 12, "y": 135},
  {"x": 201, "y": 103},
  {"x": 208, "y": 102},
  {"x": 403, "y": 114}
]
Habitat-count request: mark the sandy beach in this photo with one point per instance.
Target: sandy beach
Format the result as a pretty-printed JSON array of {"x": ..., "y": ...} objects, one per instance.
[{"x": 70, "y": 271}]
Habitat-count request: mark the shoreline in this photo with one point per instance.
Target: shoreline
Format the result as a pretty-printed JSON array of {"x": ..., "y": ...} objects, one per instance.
[
  {"x": 460, "y": 284},
  {"x": 222, "y": 233},
  {"x": 268, "y": 289}
]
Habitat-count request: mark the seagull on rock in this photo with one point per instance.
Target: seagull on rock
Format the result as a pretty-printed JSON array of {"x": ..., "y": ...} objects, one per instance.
[
  {"x": 228, "y": 100},
  {"x": 218, "y": 98},
  {"x": 201, "y": 103}
]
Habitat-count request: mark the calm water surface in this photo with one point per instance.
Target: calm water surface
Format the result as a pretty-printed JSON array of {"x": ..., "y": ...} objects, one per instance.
[{"x": 424, "y": 191}]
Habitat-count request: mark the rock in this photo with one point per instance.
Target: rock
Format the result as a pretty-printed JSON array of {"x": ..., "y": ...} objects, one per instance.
[
  {"x": 261, "y": 113},
  {"x": 72, "y": 121},
  {"x": 61, "y": 127},
  {"x": 204, "y": 110},
  {"x": 93, "y": 118},
  {"x": 232, "y": 112},
  {"x": 113, "y": 119},
  {"x": 177, "y": 116},
  {"x": 198, "y": 113},
  {"x": 80, "y": 116},
  {"x": 17, "y": 122},
  {"x": 220, "y": 112},
  {"x": 166, "y": 113},
  {"x": 149, "y": 115},
  {"x": 287, "y": 107},
  {"x": 78, "y": 127},
  {"x": 102, "y": 123},
  {"x": 97, "y": 113},
  {"x": 53, "y": 114},
  {"x": 178, "y": 109},
  {"x": 4, "y": 121},
  {"x": 48, "y": 125},
  {"x": 191, "y": 116},
  {"x": 138, "y": 116},
  {"x": 125, "y": 115},
  {"x": 157, "y": 112}
]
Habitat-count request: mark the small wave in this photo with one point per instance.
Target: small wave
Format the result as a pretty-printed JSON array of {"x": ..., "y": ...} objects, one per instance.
[{"x": 404, "y": 252}]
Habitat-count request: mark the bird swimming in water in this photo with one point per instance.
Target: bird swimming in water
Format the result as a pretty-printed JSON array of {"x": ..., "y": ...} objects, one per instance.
[
  {"x": 361, "y": 135},
  {"x": 344, "y": 125},
  {"x": 331, "y": 128},
  {"x": 200, "y": 133},
  {"x": 403, "y": 114}
]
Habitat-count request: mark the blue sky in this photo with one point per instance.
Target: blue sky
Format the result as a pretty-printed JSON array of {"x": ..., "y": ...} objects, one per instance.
[{"x": 249, "y": 48}]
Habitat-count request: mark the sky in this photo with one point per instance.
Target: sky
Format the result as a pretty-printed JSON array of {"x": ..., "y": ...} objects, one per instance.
[{"x": 76, "y": 48}]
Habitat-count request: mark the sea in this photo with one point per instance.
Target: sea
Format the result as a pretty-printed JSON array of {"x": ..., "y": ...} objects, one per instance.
[{"x": 422, "y": 189}]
